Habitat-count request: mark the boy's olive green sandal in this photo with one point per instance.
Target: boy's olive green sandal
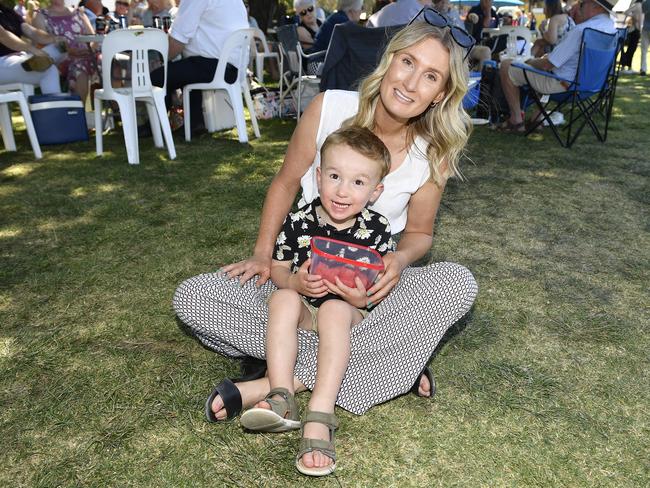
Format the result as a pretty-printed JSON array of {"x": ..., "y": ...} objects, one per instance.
[
  {"x": 282, "y": 416},
  {"x": 311, "y": 445}
]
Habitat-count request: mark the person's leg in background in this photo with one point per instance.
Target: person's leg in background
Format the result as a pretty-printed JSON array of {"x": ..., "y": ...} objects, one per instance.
[
  {"x": 11, "y": 71},
  {"x": 645, "y": 42},
  {"x": 195, "y": 69}
]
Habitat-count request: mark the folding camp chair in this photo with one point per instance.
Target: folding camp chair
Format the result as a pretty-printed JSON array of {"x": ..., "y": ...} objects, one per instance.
[
  {"x": 354, "y": 52},
  {"x": 294, "y": 61},
  {"x": 608, "y": 101},
  {"x": 585, "y": 94}
]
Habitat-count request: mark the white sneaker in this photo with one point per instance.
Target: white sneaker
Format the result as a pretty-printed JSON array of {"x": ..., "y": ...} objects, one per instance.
[
  {"x": 629, "y": 72},
  {"x": 557, "y": 118}
]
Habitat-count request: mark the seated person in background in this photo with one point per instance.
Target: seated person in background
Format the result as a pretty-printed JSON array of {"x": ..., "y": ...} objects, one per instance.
[
  {"x": 479, "y": 17},
  {"x": 199, "y": 32},
  {"x": 156, "y": 8},
  {"x": 309, "y": 24},
  {"x": 354, "y": 163},
  {"x": 478, "y": 53},
  {"x": 397, "y": 13},
  {"x": 20, "y": 9},
  {"x": 506, "y": 19},
  {"x": 562, "y": 61},
  {"x": 22, "y": 61},
  {"x": 347, "y": 11},
  {"x": 93, "y": 9},
  {"x": 79, "y": 67},
  {"x": 553, "y": 30},
  {"x": 121, "y": 9},
  {"x": 252, "y": 21}
]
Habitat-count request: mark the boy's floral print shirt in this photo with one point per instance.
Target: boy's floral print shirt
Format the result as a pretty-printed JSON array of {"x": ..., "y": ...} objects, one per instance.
[{"x": 294, "y": 241}]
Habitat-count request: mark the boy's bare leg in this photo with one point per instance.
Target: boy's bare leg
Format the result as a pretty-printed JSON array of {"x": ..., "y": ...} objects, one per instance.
[
  {"x": 286, "y": 313},
  {"x": 335, "y": 320}
]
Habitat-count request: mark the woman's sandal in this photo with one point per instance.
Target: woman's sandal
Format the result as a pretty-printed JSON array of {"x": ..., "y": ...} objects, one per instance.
[
  {"x": 229, "y": 393},
  {"x": 282, "y": 417},
  {"x": 415, "y": 389},
  {"x": 311, "y": 445}
]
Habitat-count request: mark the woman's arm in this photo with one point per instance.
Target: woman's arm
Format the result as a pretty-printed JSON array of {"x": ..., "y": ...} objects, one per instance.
[
  {"x": 306, "y": 41},
  {"x": 12, "y": 41},
  {"x": 281, "y": 194},
  {"x": 415, "y": 241},
  {"x": 554, "y": 25},
  {"x": 36, "y": 34},
  {"x": 39, "y": 21}
]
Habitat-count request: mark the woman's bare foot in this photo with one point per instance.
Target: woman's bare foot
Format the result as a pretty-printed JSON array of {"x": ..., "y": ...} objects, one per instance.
[
  {"x": 424, "y": 388},
  {"x": 251, "y": 393}
]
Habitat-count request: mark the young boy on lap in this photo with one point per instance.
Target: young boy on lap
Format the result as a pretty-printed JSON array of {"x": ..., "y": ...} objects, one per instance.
[{"x": 353, "y": 164}]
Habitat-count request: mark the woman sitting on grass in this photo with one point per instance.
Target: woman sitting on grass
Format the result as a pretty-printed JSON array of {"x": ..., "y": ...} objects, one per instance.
[{"x": 413, "y": 103}]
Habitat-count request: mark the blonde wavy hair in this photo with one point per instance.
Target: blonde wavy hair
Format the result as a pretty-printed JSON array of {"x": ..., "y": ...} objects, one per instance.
[{"x": 445, "y": 126}]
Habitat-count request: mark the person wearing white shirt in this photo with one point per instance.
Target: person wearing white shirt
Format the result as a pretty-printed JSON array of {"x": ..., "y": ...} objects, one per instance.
[
  {"x": 562, "y": 61},
  {"x": 397, "y": 13},
  {"x": 198, "y": 33}
]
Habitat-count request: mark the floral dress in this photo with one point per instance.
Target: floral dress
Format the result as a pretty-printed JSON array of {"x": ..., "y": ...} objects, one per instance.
[{"x": 71, "y": 26}]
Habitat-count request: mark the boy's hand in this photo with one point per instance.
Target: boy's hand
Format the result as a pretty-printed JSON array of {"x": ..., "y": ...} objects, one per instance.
[
  {"x": 354, "y": 296},
  {"x": 307, "y": 284}
]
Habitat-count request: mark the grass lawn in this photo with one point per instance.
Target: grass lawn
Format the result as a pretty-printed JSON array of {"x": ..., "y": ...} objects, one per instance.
[{"x": 547, "y": 384}]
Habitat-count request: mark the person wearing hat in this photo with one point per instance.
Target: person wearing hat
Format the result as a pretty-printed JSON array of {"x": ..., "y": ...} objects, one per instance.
[{"x": 562, "y": 61}]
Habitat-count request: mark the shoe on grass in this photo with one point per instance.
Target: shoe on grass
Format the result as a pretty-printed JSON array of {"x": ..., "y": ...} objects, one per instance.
[
  {"x": 282, "y": 417},
  {"x": 311, "y": 445}
]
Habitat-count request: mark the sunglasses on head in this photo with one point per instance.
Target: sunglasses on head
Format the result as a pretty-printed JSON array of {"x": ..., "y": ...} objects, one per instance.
[
  {"x": 458, "y": 34},
  {"x": 304, "y": 12},
  {"x": 126, "y": 4}
]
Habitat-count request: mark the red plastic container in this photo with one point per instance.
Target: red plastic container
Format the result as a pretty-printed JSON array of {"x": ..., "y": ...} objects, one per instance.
[{"x": 331, "y": 258}]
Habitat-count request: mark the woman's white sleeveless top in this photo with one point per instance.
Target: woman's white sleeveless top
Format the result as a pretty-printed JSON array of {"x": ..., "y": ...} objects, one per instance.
[{"x": 399, "y": 185}]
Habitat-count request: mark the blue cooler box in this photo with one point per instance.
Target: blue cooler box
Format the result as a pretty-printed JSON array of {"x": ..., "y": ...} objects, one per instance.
[{"x": 58, "y": 118}]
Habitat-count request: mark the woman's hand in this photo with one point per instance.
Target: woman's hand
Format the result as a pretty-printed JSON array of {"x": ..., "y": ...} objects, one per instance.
[
  {"x": 394, "y": 264},
  {"x": 307, "y": 284},
  {"x": 246, "y": 269},
  {"x": 354, "y": 296}
]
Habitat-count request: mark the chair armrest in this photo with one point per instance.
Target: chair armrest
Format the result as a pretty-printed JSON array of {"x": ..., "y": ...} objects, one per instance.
[
  {"x": 302, "y": 54},
  {"x": 528, "y": 67}
]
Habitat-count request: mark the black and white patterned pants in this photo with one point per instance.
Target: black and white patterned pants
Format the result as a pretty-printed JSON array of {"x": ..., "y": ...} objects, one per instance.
[{"x": 389, "y": 348}]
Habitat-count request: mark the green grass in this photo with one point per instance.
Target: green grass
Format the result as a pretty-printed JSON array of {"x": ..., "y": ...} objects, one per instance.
[{"x": 547, "y": 384}]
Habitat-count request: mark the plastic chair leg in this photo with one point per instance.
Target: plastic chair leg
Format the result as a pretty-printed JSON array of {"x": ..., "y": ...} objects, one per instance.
[
  {"x": 161, "y": 110},
  {"x": 31, "y": 132},
  {"x": 154, "y": 123},
  {"x": 7, "y": 129},
  {"x": 234, "y": 92},
  {"x": 99, "y": 143},
  {"x": 259, "y": 67},
  {"x": 251, "y": 111},
  {"x": 130, "y": 128},
  {"x": 186, "y": 114}
]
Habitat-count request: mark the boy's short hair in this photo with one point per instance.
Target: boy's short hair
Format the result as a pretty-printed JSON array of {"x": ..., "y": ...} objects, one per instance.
[{"x": 363, "y": 141}]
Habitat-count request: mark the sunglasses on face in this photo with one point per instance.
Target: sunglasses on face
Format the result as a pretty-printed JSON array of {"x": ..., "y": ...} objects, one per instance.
[
  {"x": 458, "y": 34},
  {"x": 309, "y": 10}
]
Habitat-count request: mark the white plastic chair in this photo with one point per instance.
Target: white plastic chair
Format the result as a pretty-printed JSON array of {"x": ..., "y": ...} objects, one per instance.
[
  {"x": 139, "y": 42},
  {"x": 260, "y": 56},
  {"x": 14, "y": 93},
  {"x": 235, "y": 51}
]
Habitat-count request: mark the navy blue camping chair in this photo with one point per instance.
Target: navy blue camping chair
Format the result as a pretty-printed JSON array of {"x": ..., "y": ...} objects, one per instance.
[{"x": 585, "y": 95}]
